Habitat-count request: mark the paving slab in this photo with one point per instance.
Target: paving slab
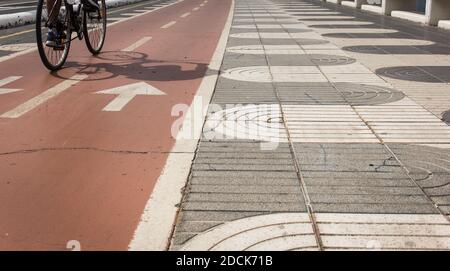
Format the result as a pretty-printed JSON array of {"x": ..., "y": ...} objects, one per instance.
[{"x": 356, "y": 137}]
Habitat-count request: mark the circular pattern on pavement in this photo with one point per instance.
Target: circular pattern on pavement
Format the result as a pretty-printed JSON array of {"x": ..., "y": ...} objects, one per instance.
[
  {"x": 327, "y": 60},
  {"x": 279, "y": 74},
  {"x": 408, "y": 73},
  {"x": 282, "y": 231},
  {"x": 358, "y": 94},
  {"x": 253, "y": 122}
]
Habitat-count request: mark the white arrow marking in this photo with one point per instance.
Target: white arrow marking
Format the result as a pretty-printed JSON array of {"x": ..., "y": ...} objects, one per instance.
[
  {"x": 6, "y": 81},
  {"x": 126, "y": 94},
  {"x": 43, "y": 97}
]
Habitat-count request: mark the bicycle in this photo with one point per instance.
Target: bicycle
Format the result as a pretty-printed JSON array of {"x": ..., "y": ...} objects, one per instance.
[{"x": 73, "y": 18}]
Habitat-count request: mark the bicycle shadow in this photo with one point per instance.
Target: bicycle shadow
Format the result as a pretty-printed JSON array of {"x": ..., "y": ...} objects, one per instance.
[{"x": 132, "y": 65}]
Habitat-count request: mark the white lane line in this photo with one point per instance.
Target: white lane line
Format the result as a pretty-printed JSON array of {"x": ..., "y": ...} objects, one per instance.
[
  {"x": 137, "y": 44},
  {"x": 185, "y": 15},
  {"x": 168, "y": 25},
  {"x": 114, "y": 19},
  {"x": 6, "y": 81},
  {"x": 43, "y": 97},
  {"x": 13, "y": 55},
  {"x": 195, "y": 9},
  {"x": 155, "y": 229},
  {"x": 202, "y": 5},
  {"x": 130, "y": 14}
]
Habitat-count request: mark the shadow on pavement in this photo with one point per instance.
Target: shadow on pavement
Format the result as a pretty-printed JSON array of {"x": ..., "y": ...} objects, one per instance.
[
  {"x": 135, "y": 66},
  {"x": 428, "y": 74},
  {"x": 446, "y": 117},
  {"x": 399, "y": 49}
]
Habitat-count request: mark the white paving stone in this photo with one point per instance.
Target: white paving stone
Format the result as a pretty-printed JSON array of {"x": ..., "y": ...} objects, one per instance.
[
  {"x": 413, "y": 124},
  {"x": 258, "y": 233},
  {"x": 267, "y": 49}
]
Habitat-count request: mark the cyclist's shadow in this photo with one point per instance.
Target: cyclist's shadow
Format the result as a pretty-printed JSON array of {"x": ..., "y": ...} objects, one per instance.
[{"x": 133, "y": 65}]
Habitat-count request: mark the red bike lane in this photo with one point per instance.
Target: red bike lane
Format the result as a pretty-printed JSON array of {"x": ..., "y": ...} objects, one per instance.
[{"x": 72, "y": 168}]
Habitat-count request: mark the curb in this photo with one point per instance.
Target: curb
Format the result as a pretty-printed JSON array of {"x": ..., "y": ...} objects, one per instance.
[{"x": 29, "y": 17}]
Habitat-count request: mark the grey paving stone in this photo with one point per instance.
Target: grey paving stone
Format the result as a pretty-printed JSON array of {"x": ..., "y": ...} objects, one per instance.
[
  {"x": 353, "y": 175},
  {"x": 367, "y": 49},
  {"x": 365, "y": 190},
  {"x": 180, "y": 238},
  {"x": 189, "y": 227},
  {"x": 292, "y": 41},
  {"x": 223, "y": 83},
  {"x": 375, "y": 199},
  {"x": 217, "y": 216},
  {"x": 408, "y": 73},
  {"x": 368, "y": 35},
  {"x": 289, "y": 60},
  {"x": 245, "y": 181},
  {"x": 248, "y": 155},
  {"x": 244, "y": 197},
  {"x": 245, "y": 174},
  {"x": 375, "y": 208},
  {"x": 357, "y": 182},
  {"x": 251, "y": 189},
  {"x": 240, "y": 167},
  {"x": 245, "y": 161},
  {"x": 239, "y": 42},
  {"x": 244, "y": 206}
]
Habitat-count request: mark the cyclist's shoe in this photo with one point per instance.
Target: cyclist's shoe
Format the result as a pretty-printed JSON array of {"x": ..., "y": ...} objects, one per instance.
[
  {"x": 91, "y": 5},
  {"x": 52, "y": 37},
  {"x": 55, "y": 39}
]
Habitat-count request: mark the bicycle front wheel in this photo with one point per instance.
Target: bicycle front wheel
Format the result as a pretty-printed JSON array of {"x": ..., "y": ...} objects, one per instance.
[
  {"x": 94, "y": 28},
  {"x": 53, "y": 57}
]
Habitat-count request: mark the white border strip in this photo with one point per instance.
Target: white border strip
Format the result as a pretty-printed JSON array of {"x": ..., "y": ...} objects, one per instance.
[
  {"x": 157, "y": 221},
  {"x": 137, "y": 44}
]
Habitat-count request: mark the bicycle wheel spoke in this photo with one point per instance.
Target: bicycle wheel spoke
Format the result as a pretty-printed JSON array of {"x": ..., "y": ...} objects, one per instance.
[{"x": 95, "y": 25}]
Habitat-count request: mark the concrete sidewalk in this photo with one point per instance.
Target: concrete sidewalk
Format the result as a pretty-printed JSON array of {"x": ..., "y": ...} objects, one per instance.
[{"x": 352, "y": 103}]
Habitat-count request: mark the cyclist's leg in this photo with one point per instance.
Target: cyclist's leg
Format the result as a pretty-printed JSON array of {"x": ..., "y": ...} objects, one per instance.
[
  {"x": 91, "y": 5},
  {"x": 53, "y": 8}
]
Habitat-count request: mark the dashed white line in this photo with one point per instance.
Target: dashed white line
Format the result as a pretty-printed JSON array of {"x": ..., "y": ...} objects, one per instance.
[
  {"x": 185, "y": 15},
  {"x": 168, "y": 25},
  {"x": 137, "y": 44},
  {"x": 43, "y": 97},
  {"x": 195, "y": 9},
  {"x": 7, "y": 81},
  {"x": 131, "y": 14}
]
